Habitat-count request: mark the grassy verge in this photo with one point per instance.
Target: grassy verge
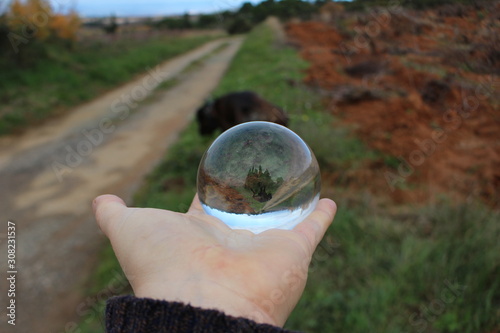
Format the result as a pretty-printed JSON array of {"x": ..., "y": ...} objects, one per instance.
[
  {"x": 65, "y": 79},
  {"x": 431, "y": 268}
]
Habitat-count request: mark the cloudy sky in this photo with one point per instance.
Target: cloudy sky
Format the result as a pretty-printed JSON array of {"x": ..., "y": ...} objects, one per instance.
[{"x": 146, "y": 7}]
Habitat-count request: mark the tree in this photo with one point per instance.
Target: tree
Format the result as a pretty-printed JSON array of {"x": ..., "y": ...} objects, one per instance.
[
  {"x": 4, "y": 32},
  {"x": 186, "y": 21},
  {"x": 65, "y": 27},
  {"x": 31, "y": 18},
  {"x": 207, "y": 21},
  {"x": 32, "y": 26},
  {"x": 36, "y": 19},
  {"x": 239, "y": 25},
  {"x": 112, "y": 26},
  {"x": 261, "y": 184}
]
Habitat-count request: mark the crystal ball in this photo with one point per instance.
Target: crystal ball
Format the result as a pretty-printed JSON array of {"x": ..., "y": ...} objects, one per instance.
[{"x": 258, "y": 176}]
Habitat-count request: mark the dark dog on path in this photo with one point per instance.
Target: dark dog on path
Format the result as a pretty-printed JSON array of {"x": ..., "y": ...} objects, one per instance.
[{"x": 236, "y": 108}]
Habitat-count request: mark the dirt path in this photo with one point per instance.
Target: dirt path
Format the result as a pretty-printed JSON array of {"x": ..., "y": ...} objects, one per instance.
[{"x": 49, "y": 176}]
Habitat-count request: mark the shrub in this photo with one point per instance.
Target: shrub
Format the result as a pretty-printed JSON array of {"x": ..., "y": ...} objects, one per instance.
[{"x": 31, "y": 27}]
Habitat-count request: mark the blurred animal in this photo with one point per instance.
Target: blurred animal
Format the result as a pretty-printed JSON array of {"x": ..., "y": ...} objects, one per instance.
[{"x": 236, "y": 108}]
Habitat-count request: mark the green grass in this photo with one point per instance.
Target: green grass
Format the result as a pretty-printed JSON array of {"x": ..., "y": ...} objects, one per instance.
[
  {"x": 386, "y": 270},
  {"x": 108, "y": 280},
  {"x": 379, "y": 268},
  {"x": 66, "y": 78}
]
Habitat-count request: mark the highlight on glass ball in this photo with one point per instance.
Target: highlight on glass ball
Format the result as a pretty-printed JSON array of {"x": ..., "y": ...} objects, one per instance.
[{"x": 258, "y": 176}]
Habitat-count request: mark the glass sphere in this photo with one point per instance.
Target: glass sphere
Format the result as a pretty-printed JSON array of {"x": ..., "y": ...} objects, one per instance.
[{"x": 258, "y": 176}]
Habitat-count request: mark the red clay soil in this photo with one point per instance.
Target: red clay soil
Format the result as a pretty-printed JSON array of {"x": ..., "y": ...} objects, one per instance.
[{"x": 421, "y": 87}]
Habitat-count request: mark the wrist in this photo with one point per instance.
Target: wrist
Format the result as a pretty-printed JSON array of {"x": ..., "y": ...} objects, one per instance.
[{"x": 208, "y": 296}]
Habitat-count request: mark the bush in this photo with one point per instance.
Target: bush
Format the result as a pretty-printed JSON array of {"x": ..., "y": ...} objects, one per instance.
[
  {"x": 32, "y": 27},
  {"x": 239, "y": 25},
  {"x": 4, "y": 32}
]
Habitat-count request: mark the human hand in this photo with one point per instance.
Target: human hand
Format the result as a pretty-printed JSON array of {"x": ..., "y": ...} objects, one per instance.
[{"x": 196, "y": 259}]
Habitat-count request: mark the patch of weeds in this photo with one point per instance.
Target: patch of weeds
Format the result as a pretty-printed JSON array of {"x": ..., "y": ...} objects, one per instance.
[
  {"x": 108, "y": 280},
  {"x": 391, "y": 161}
]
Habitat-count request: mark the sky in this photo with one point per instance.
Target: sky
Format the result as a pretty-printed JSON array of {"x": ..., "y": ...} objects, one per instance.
[{"x": 89, "y": 8}]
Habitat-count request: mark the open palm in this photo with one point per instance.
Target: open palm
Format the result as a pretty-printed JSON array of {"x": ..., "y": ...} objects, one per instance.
[{"x": 194, "y": 258}]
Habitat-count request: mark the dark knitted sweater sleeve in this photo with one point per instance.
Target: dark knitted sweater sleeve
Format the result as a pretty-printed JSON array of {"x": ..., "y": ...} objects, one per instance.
[{"x": 126, "y": 314}]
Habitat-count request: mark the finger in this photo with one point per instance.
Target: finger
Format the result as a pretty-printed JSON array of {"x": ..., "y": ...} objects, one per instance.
[
  {"x": 107, "y": 210},
  {"x": 195, "y": 207},
  {"x": 313, "y": 228}
]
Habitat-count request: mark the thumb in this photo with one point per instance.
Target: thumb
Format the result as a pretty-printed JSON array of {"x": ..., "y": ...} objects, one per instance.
[
  {"x": 108, "y": 210},
  {"x": 313, "y": 228}
]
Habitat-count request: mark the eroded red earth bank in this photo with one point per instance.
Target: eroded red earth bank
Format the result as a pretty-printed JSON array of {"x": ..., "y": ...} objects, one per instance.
[{"x": 420, "y": 87}]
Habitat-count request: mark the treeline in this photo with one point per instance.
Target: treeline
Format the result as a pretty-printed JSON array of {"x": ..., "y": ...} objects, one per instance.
[
  {"x": 248, "y": 15},
  {"x": 28, "y": 29},
  {"x": 244, "y": 18}
]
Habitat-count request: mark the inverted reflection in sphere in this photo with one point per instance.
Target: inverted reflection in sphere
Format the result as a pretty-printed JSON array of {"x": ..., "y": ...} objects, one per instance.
[{"x": 258, "y": 176}]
